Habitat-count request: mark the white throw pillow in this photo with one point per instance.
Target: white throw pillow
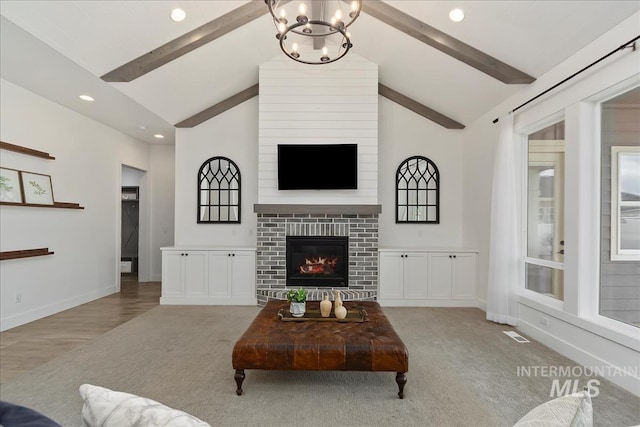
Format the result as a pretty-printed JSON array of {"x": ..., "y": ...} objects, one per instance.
[
  {"x": 573, "y": 410},
  {"x": 108, "y": 408}
]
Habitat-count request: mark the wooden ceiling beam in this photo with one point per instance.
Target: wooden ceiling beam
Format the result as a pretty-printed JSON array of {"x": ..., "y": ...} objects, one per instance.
[
  {"x": 418, "y": 108},
  {"x": 187, "y": 42},
  {"x": 219, "y": 108},
  {"x": 445, "y": 43},
  {"x": 383, "y": 90},
  {"x": 376, "y": 8}
]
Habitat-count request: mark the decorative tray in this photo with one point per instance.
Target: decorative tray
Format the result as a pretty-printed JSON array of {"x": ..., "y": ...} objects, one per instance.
[{"x": 357, "y": 315}]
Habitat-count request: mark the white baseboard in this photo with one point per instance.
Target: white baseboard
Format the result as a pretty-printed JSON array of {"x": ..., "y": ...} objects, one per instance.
[
  {"x": 482, "y": 305},
  {"x": 47, "y": 310}
]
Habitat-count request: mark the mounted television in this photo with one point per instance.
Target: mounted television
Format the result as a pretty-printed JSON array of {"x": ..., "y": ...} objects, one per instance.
[{"x": 318, "y": 167}]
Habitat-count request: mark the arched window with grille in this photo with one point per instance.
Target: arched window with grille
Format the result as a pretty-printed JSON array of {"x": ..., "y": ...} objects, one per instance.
[
  {"x": 417, "y": 191},
  {"x": 219, "y": 191}
]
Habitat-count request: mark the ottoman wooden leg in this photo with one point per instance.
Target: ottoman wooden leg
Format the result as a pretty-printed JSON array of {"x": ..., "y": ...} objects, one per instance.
[
  {"x": 239, "y": 377},
  {"x": 401, "y": 379}
]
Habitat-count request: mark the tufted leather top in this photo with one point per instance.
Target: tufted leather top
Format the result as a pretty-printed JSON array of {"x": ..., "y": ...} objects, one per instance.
[{"x": 270, "y": 343}]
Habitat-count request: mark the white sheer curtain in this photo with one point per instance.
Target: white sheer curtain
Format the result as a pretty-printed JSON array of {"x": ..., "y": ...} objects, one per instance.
[{"x": 504, "y": 261}]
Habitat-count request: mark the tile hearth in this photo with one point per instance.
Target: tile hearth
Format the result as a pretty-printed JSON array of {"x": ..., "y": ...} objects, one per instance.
[{"x": 318, "y": 294}]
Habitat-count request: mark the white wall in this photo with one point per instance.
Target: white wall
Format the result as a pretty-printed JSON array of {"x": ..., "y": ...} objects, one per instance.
[
  {"x": 335, "y": 103},
  {"x": 572, "y": 330},
  {"x": 233, "y": 134},
  {"x": 87, "y": 170},
  {"x": 131, "y": 177},
  {"x": 404, "y": 134},
  {"x": 162, "y": 189}
]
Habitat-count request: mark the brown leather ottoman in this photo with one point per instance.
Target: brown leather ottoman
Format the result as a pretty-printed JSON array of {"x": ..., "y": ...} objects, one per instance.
[{"x": 270, "y": 343}]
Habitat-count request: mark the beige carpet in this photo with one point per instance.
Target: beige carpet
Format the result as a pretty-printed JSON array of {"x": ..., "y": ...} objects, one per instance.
[{"x": 462, "y": 372}]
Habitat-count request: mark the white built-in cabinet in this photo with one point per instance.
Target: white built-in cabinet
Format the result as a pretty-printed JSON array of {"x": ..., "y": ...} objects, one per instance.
[
  {"x": 453, "y": 275},
  {"x": 404, "y": 275},
  {"x": 208, "y": 276},
  {"x": 184, "y": 273},
  {"x": 232, "y": 274},
  {"x": 433, "y": 277}
]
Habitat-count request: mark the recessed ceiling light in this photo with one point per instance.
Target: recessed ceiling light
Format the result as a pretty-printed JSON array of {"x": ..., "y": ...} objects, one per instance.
[
  {"x": 86, "y": 98},
  {"x": 159, "y": 135},
  {"x": 178, "y": 15},
  {"x": 456, "y": 15}
]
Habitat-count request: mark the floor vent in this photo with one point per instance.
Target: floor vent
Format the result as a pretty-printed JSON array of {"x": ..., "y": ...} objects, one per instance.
[{"x": 516, "y": 336}]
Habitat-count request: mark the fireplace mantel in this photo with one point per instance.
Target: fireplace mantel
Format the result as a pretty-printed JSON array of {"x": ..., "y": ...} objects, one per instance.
[{"x": 316, "y": 209}]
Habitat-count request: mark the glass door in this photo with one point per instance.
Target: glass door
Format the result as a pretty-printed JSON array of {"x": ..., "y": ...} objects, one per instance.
[{"x": 544, "y": 260}]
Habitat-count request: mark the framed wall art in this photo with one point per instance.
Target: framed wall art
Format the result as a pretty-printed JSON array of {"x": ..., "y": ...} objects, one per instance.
[
  {"x": 37, "y": 188},
  {"x": 10, "y": 186}
]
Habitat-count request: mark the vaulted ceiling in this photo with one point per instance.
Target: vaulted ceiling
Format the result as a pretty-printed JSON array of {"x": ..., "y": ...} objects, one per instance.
[{"x": 61, "y": 49}]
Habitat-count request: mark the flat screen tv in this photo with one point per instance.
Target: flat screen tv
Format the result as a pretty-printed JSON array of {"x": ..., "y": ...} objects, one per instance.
[{"x": 317, "y": 167}]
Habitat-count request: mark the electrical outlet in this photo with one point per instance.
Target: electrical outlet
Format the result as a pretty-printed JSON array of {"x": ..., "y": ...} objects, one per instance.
[
  {"x": 18, "y": 298},
  {"x": 544, "y": 321}
]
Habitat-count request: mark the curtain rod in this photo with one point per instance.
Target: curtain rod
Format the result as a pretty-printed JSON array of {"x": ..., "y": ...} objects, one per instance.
[{"x": 631, "y": 43}]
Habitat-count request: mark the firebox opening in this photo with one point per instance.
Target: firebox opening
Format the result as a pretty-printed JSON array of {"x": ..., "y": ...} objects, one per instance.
[{"x": 317, "y": 261}]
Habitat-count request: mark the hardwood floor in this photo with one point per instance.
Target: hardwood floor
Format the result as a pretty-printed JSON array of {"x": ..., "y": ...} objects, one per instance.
[{"x": 28, "y": 346}]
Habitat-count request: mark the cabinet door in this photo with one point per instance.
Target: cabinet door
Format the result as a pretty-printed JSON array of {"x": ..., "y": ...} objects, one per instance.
[
  {"x": 219, "y": 274},
  {"x": 243, "y": 274},
  {"x": 391, "y": 275},
  {"x": 196, "y": 267},
  {"x": 439, "y": 275},
  {"x": 415, "y": 276},
  {"x": 172, "y": 274},
  {"x": 464, "y": 276}
]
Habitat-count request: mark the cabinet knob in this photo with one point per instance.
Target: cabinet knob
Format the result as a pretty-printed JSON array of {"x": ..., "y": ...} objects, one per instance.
[
  {"x": 233, "y": 254},
  {"x": 228, "y": 254},
  {"x": 454, "y": 256},
  {"x": 449, "y": 256}
]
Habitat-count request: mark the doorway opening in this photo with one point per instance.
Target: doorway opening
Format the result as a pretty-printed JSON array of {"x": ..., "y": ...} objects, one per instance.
[
  {"x": 132, "y": 217},
  {"x": 130, "y": 227}
]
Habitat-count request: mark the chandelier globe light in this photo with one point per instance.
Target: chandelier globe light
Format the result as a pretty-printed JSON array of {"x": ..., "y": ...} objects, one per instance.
[{"x": 314, "y": 31}]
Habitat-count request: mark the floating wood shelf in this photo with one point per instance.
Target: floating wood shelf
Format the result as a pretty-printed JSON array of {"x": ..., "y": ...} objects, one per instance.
[
  {"x": 25, "y": 150},
  {"x": 59, "y": 205},
  {"x": 25, "y": 253}
]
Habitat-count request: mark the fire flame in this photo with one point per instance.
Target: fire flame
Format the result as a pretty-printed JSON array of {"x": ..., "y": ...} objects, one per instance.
[{"x": 319, "y": 265}]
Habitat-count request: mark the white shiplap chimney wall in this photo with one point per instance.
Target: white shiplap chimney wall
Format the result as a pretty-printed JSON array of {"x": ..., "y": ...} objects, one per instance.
[{"x": 334, "y": 103}]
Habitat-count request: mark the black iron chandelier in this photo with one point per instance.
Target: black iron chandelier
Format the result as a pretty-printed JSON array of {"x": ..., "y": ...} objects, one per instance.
[{"x": 314, "y": 31}]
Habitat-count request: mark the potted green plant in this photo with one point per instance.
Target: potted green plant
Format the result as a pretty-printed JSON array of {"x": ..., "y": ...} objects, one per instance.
[{"x": 298, "y": 302}]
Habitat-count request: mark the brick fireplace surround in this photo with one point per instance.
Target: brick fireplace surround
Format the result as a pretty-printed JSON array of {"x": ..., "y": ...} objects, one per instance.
[{"x": 358, "y": 222}]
